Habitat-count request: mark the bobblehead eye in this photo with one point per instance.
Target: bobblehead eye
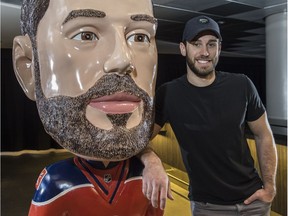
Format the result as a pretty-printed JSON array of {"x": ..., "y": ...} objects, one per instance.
[
  {"x": 85, "y": 36},
  {"x": 139, "y": 38}
]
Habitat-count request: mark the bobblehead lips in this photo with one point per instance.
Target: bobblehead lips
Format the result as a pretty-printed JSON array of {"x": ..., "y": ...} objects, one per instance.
[{"x": 64, "y": 119}]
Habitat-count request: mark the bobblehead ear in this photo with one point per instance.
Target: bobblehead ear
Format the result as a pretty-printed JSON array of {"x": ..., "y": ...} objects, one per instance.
[
  {"x": 22, "y": 64},
  {"x": 182, "y": 49}
]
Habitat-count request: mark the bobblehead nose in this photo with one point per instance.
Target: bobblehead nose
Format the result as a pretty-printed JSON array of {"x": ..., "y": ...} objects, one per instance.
[{"x": 120, "y": 60}]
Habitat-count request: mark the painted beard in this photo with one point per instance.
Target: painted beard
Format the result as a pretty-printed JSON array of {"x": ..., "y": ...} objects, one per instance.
[{"x": 64, "y": 119}]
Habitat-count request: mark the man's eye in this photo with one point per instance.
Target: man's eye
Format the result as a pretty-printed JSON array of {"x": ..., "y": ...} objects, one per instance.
[
  {"x": 139, "y": 38},
  {"x": 196, "y": 44},
  {"x": 85, "y": 36},
  {"x": 212, "y": 44}
]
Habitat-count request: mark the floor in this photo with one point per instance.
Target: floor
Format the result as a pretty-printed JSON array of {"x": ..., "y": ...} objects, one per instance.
[
  {"x": 18, "y": 177},
  {"x": 20, "y": 171},
  {"x": 180, "y": 206}
]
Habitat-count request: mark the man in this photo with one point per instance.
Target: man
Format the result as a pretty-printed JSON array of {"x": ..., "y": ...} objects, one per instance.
[
  {"x": 207, "y": 110},
  {"x": 90, "y": 66}
]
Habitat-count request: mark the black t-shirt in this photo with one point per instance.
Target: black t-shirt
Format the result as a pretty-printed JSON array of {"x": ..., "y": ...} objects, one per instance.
[{"x": 209, "y": 125}]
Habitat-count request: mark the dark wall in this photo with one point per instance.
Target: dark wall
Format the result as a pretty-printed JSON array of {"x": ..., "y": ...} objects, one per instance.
[{"x": 21, "y": 127}]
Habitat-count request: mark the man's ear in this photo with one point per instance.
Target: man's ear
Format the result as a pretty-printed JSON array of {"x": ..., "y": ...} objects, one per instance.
[
  {"x": 182, "y": 49},
  {"x": 22, "y": 64},
  {"x": 220, "y": 48}
]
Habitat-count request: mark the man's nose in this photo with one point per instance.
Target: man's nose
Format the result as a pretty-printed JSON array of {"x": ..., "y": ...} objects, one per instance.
[
  {"x": 120, "y": 61},
  {"x": 205, "y": 51}
]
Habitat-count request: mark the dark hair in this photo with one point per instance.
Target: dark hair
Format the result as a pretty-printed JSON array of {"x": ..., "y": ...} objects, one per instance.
[{"x": 32, "y": 12}]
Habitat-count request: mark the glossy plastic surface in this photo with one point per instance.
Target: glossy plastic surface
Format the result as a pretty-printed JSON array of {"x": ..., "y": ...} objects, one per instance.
[
  {"x": 77, "y": 46},
  {"x": 95, "y": 84}
]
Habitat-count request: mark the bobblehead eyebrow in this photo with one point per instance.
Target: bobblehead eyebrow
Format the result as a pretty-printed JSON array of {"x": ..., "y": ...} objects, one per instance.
[
  {"x": 84, "y": 13},
  {"x": 144, "y": 17}
]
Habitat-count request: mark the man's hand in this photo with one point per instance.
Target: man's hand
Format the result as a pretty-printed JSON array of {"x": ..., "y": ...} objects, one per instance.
[
  {"x": 264, "y": 195},
  {"x": 156, "y": 185}
]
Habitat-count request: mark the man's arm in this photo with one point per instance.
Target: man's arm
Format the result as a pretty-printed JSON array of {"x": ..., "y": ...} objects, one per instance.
[
  {"x": 267, "y": 157},
  {"x": 156, "y": 185}
]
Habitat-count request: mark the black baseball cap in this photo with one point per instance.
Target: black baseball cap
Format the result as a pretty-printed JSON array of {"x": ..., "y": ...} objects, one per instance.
[{"x": 199, "y": 24}]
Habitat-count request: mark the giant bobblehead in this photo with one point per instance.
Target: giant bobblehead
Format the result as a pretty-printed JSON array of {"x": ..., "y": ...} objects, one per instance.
[{"x": 90, "y": 65}]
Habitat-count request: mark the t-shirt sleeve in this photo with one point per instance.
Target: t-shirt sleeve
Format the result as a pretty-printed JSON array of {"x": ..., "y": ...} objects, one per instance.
[
  {"x": 161, "y": 106},
  {"x": 255, "y": 107}
]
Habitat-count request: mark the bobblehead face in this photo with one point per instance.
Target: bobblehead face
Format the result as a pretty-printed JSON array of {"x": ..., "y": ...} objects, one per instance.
[{"x": 94, "y": 74}]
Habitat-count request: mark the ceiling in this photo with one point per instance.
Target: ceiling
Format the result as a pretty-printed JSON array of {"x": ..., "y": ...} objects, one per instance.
[{"x": 242, "y": 22}]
